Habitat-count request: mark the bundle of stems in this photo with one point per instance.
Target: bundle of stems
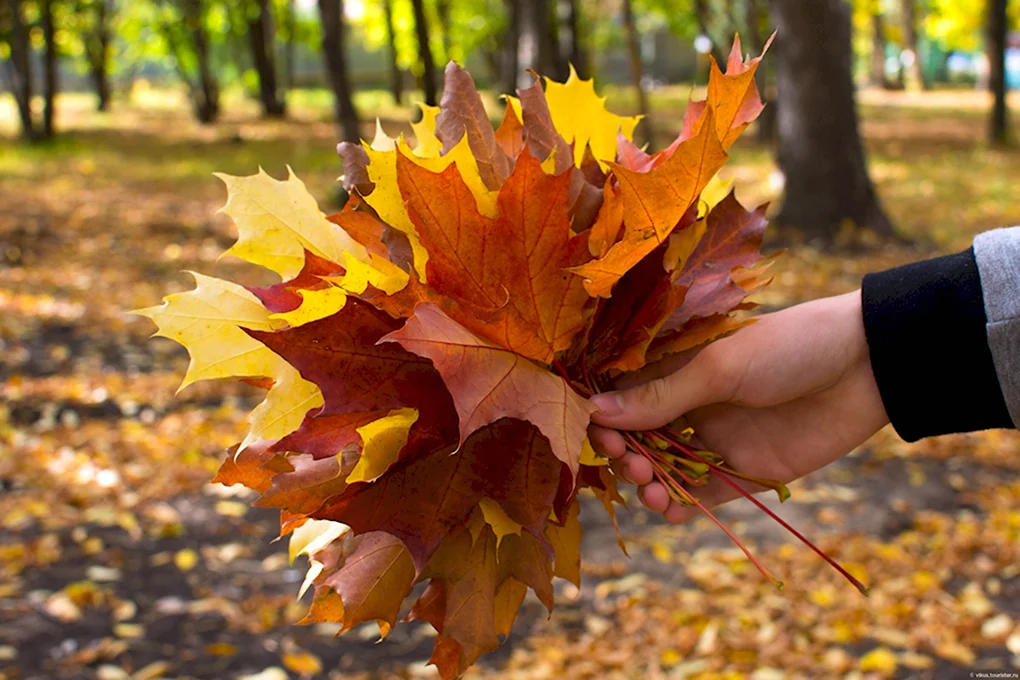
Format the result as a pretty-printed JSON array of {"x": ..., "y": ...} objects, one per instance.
[{"x": 680, "y": 467}]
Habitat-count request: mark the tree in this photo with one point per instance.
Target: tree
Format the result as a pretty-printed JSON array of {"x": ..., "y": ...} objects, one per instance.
[
  {"x": 706, "y": 23},
  {"x": 756, "y": 19},
  {"x": 538, "y": 40},
  {"x": 421, "y": 29},
  {"x": 262, "y": 37},
  {"x": 511, "y": 53},
  {"x": 96, "y": 48},
  {"x": 396, "y": 76},
  {"x": 334, "y": 51},
  {"x": 19, "y": 71},
  {"x": 910, "y": 42},
  {"x": 636, "y": 70},
  {"x": 182, "y": 24},
  {"x": 50, "y": 65},
  {"x": 878, "y": 77},
  {"x": 820, "y": 149},
  {"x": 998, "y": 126},
  {"x": 578, "y": 51}
]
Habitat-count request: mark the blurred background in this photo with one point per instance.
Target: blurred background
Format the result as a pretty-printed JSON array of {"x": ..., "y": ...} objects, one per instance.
[{"x": 889, "y": 137}]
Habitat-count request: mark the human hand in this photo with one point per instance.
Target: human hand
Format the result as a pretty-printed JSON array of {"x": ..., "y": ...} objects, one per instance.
[{"x": 787, "y": 395}]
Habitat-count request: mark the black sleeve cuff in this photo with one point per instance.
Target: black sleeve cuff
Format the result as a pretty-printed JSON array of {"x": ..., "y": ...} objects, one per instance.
[{"x": 925, "y": 324}]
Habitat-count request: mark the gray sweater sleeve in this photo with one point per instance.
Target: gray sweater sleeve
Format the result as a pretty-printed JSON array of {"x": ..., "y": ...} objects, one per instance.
[{"x": 998, "y": 258}]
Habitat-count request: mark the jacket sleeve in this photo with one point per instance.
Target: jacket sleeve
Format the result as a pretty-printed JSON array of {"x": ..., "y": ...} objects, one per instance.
[
  {"x": 931, "y": 341},
  {"x": 998, "y": 260}
]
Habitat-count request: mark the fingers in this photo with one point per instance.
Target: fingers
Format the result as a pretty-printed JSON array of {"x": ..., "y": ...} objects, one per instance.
[
  {"x": 609, "y": 443},
  {"x": 633, "y": 468},
  {"x": 716, "y": 492},
  {"x": 660, "y": 401}
]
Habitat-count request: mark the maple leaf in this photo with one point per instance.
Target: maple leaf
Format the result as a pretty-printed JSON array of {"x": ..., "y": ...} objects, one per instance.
[
  {"x": 581, "y": 117},
  {"x": 420, "y": 499},
  {"x": 654, "y": 203},
  {"x": 733, "y": 97},
  {"x": 512, "y": 265},
  {"x": 510, "y": 133},
  {"x": 278, "y": 221},
  {"x": 429, "y": 346},
  {"x": 488, "y": 382},
  {"x": 463, "y": 115},
  {"x": 370, "y": 585},
  {"x": 732, "y": 238}
]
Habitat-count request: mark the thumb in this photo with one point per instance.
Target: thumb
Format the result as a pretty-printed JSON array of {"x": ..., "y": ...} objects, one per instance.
[{"x": 660, "y": 401}]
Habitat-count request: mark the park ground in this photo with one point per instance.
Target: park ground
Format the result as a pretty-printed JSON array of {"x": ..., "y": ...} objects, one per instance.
[{"x": 118, "y": 560}]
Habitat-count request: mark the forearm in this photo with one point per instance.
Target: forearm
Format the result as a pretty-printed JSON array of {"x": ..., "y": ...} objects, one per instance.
[{"x": 937, "y": 355}]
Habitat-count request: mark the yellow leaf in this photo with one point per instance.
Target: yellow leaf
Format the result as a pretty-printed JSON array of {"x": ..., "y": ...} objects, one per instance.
[
  {"x": 379, "y": 272},
  {"x": 302, "y": 662},
  {"x": 381, "y": 442},
  {"x": 208, "y": 321},
  {"x": 581, "y": 117},
  {"x": 880, "y": 659},
  {"x": 389, "y": 204},
  {"x": 382, "y": 141},
  {"x": 588, "y": 455},
  {"x": 497, "y": 518},
  {"x": 186, "y": 559},
  {"x": 716, "y": 190},
  {"x": 428, "y": 145},
  {"x": 315, "y": 305},
  {"x": 682, "y": 244},
  {"x": 313, "y": 536},
  {"x": 277, "y": 221},
  {"x": 282, "y": 411},
  {"x": 566, "y": 543}
]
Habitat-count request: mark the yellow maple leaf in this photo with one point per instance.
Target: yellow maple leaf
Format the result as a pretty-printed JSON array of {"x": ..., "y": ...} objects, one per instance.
[
  {"x": 495, "y": 516},
  {"x": 566, "y": 543},
  {"x": 588, "y": 455},
  {"x": 318, "y": 304},
  {"x": 208, "y": 320},
  {"x": 313, "y": 536},
  {"x": 389, "y": 204},
  {"x": 428, "y": 145},
  {"x": 315, "y": 305},
  {"x": 581, "y": 117},
  {"x": 282, "y": 411},
  {"x": 381, "y": 441},
  {"x": 277, "y": 221}
]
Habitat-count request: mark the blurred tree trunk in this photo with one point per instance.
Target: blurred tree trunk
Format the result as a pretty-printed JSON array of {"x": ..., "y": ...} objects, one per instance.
[
  {"x": 644, "y": 133},
  {"x": 334, "y": 51},
  {"x": 998, "y": 125},
  {"x": 97, "y": 51},
  {"x": 820, "y": 149},
  {"x": 539, "y": 40},
  {"x": 20, "y": 68},
  {"x": 578, "y": 51},
  {"x": 766, "y": 131},
  {"x": 878, "y": 77},
  {"x": 703, "y": 15},
  {"x": 290, "y": 23},
  {"x": 443, "y": 15},
  {"x": 50, "y": 75},
  {"x": 262, "y": 36},
  {"x": 512, "y": 49},
  {"x": 916, "y": 71},
  {"x": 396, "y": 77},
  {"x": 206, "y": 92},
  {"x": 421, "y": 29}
]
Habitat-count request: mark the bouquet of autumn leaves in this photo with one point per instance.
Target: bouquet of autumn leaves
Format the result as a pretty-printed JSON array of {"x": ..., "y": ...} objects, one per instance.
[{"x": 431, "y": 349}]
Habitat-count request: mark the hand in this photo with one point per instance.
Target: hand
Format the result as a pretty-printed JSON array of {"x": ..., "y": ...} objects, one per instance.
[{"x": 788, "y": 394}]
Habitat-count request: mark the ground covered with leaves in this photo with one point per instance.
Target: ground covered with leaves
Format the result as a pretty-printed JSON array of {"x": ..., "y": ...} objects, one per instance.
[{"x": 119, "y": 560}]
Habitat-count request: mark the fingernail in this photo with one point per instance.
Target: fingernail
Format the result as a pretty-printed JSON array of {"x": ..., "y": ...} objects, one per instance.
[{"x": 608, "y": 404}]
